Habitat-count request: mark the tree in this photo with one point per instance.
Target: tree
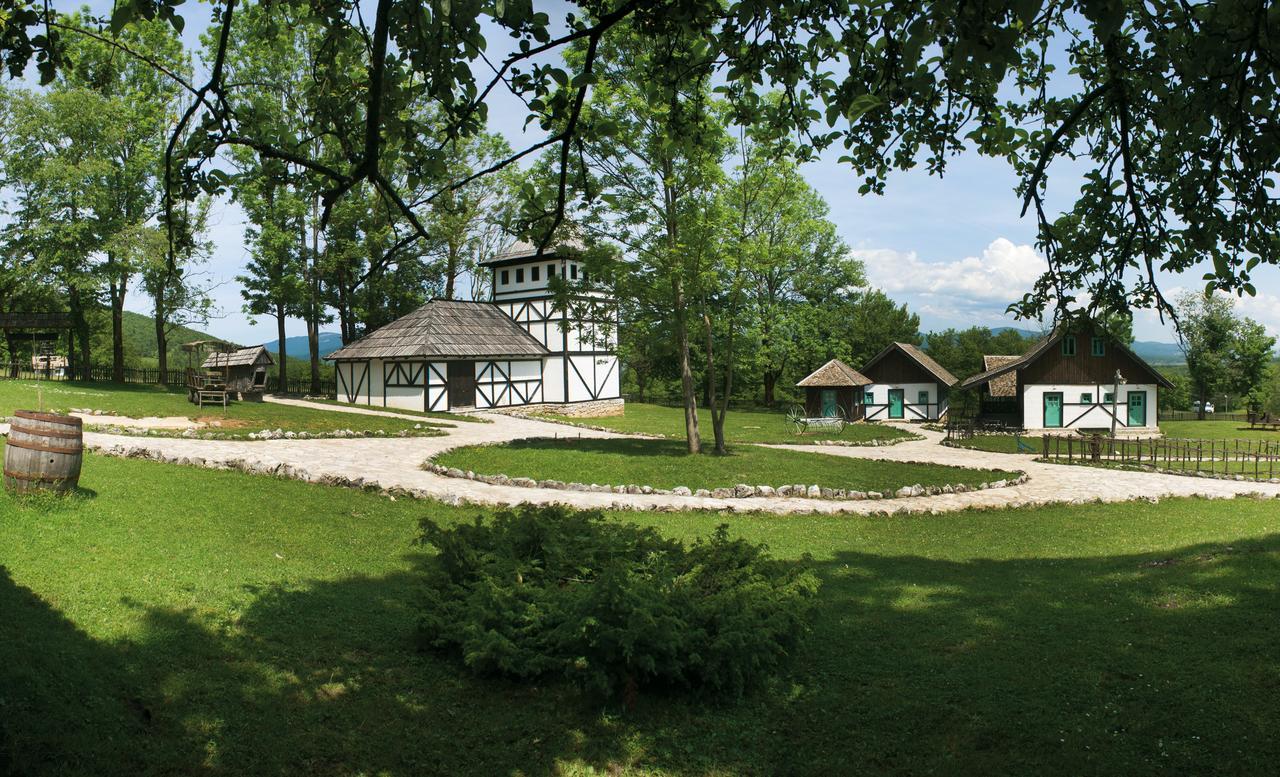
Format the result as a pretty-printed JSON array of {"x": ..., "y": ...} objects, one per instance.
[
  {"x": 274, "y": 284},
  {"x": 655, "y": 176},
  {"x": 961, "y": 351},
  {"x": 869, "y": 322},
  {"x": 1223, "y": 351}
]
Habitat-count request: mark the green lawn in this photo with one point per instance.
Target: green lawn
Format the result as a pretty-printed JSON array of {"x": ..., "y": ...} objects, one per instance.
[
  {"x": 665, "y": 464},
  {"x": 999, "y": 443},
  {"x": 239, "y": 418},
  {"x": 176, "y": 620},
  {"x": 460, "y": 417},
  {"x": 1215, "y": 430},
  {"x": 756, "y": 425}
]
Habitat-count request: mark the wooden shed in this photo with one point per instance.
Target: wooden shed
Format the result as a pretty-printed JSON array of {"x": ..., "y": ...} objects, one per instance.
[
  {"x": 245, "y": 370},
  {"x": 831, "y": 386}
]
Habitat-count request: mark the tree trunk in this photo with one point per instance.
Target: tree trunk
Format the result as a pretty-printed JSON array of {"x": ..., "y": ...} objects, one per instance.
[
  {"x": 117, "y": 330},
  {"x": 717, "y": 412},
  {"x": 313, "y": 303},
  {"x": 282, "y": 366},
  {"x": 770, "y": 381},
  {"x": 79, "y": 325},
  {"x": 162, "y": 336},
  {"x": 688, "y": 391}
]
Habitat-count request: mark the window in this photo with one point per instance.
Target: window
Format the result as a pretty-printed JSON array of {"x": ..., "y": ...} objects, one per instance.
[
  {"x": 922, "y": 398},
  {"x": 520, "y": 275},
  {"x": 573, "y": 271},
  {"x": 1086, "y": 398},
  {"x": 1109, "y": 397},
  {"x": 1098, "y": 347},
  {"x": 551, "y": 271},
  {"x": 1069, "y": 345},
  {"x": 534, "y": 274},
  {"x": 584, "y": 275},
  {"x": 868, "y": 398},
  {"x": 506, "y": 277}
]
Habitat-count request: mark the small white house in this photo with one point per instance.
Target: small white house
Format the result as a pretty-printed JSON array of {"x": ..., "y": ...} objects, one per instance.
[
  {"x": 1076, "y": 380},
  {"x": 521, "y": 349},
  {"x": 906, "y": 384}
]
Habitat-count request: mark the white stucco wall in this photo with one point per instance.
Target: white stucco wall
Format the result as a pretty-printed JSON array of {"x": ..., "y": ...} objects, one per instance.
[
  {"x": 910, "y": 393},
  {"x": 1095, "y": 416}
]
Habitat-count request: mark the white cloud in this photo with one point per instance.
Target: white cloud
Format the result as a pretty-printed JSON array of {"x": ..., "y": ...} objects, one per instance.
[
  {"x": 1003, "y": 273},
  {"x": 956, "y": 292}
]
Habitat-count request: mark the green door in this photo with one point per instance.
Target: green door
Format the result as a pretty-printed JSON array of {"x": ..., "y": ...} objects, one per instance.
[
  {"x": 1138, "y": 408},
  {"x": 896, "y": 403},
  {"x": 828, "y": 403},
  {"x": 1053, "y": 410}
]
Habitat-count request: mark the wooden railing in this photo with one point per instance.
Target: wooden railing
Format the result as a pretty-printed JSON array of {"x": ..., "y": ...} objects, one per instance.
[{"x": 1250, "y": 459}]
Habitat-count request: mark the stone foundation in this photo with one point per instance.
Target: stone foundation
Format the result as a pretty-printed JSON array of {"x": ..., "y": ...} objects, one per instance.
[{"x": 595, "y": 409}]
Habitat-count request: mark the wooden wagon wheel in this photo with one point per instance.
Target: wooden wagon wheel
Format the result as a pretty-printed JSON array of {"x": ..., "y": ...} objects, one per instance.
[
  {"x": 842, "y": 420},
  {"x": 795, "y": 417}
]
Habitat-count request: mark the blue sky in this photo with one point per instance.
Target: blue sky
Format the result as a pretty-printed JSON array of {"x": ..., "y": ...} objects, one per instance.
[{"x": 954, "y": 248}]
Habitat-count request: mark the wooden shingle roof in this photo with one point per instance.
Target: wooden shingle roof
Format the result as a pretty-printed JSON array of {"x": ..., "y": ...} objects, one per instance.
[
  {"x": 919, "y": 357},
  {"x": 835, "y": 374},
  {"x": 241, "y": 358},
  {"x": 521, "y": 250},
  {"x": 446, "y": 329},
  {"x": 1041, "y": 348},
  {"x": 1005, "y": 385}
]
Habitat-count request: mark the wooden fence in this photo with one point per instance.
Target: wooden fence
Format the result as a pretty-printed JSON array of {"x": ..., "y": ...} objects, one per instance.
[
  {"x": 1192, "y": 415},
  {"x": 1251, "y": 459},
  {"x": 142, "y": 375}
]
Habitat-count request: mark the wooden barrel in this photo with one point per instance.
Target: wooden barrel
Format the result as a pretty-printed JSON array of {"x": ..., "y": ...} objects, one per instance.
[{"x": 43, "y": 453}]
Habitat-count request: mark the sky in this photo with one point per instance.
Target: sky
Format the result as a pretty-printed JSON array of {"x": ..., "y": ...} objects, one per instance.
[{"x": 954, "y": 249}]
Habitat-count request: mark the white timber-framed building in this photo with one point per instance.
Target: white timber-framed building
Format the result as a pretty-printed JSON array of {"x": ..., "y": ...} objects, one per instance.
[{"x": 526, "y": 347}]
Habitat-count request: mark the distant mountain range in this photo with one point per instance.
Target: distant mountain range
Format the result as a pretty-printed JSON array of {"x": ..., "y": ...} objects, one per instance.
[
  {"x": 1153, "y": 351},
  {"x": 296, "y": 347}
]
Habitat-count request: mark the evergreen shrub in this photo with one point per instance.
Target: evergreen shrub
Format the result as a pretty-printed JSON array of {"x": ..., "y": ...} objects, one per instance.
[{"x": 547, "y": 591}]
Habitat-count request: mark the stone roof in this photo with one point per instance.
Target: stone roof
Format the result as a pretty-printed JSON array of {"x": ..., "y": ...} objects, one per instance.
[
  {"x": 241, "y": 358},
  {"x": 835, "y": 374},
  {"x": 446, "y": 329},
  {"x": 1005, "y": 385}
]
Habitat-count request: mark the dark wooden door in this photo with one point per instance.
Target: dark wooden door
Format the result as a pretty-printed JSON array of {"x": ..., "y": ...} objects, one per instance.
[{"x": 462, "y": 384}]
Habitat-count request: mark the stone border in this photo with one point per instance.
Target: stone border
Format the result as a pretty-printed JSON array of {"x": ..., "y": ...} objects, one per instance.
[
  {"x": 266, "y": 434},
  {"x": 1124, "y": 467},
  {"x": 909, "y": 435},
  {"x": 740, "y": 491}
]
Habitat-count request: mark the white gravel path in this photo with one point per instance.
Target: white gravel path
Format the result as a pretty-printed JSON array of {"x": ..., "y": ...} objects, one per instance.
[
  {"x": 358, "y": 410},
  {"x": 395, "y": 464}
]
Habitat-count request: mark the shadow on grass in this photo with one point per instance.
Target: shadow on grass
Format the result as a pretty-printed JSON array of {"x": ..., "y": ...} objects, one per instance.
[{"x": 1128, "y": 664}]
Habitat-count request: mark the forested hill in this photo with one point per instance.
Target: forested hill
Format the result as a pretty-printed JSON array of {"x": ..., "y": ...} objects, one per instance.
[{"x": 140, "y": 345}]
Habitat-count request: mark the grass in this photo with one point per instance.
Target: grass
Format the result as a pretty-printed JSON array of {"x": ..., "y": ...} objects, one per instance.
[
  {"x": 665, "y": 464},
  {"x": 756, "y": 425},
  {"x": 175, "y": 620},
  {"x": 136, "y": 401},
  {"x": 999, "y": 443},
  {"x": 1215, "y": 430},
  {"x": 460, "y": 417}
]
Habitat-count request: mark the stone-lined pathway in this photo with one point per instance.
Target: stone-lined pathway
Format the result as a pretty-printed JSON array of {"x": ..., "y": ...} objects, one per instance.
[{"x": 395, "y": 463}]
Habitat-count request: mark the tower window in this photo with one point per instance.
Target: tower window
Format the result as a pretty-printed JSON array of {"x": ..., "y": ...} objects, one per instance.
[
  {"x": 535, "y": 273},
  {"x": 520, "y": 275},
  {"x": 551, "y": 271},
  {"x": 506, "y": 277},
  {"x": 573, "y": 271}
]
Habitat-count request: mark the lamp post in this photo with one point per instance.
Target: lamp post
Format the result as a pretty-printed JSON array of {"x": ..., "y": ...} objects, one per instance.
[{"x": 1115, "y": 397}]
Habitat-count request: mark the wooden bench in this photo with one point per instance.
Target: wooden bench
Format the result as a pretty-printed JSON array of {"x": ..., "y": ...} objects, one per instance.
[
  {"x": 215, "y": 396},
  {"x": 1264, "y": 422}
]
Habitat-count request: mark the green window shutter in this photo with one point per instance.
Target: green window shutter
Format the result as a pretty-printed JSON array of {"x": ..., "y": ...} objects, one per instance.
[
  {"x": 868, "y": 398},
  {"x": 1099, "y": 346},
  {"x": 1069, "y": 345},
  {"x": 1086, "y": 399}
]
